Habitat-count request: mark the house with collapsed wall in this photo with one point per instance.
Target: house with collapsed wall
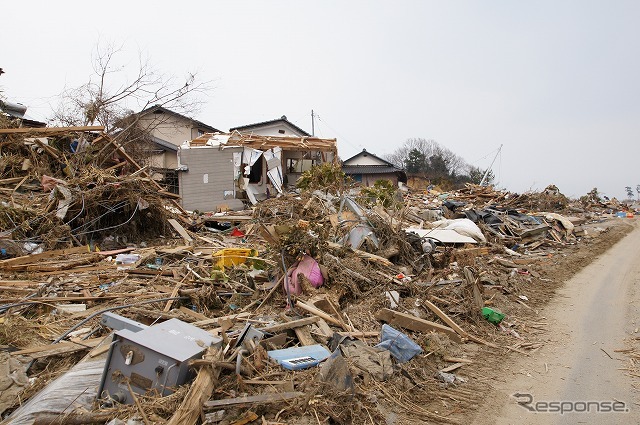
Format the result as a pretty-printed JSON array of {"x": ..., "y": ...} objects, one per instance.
[
  {"x": 366, "y": 168},
  {"x": 226, "y": 170}
]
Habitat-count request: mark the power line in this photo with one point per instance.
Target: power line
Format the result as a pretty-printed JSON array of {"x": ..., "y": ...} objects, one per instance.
[{"x": 336, "y": 132}]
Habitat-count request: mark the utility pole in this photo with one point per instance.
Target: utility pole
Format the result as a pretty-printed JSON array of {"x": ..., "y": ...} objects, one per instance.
[
  {"x": 486, "y": 173},
  {"x": 313, "y": 124}
]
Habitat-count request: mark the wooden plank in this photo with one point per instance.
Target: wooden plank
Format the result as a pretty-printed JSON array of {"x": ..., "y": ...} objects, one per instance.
[
  {"x": 26, "y": 259},
  {"x": 446, "y": 319},
  {"x": 324, "y": 328},
  {"x": 99, "y": 350},
  {"x": 59, "y": 299},
  {"x": 59, "y": 348},
  {"x": 116, "y": 251},
  {"x": 320, "y": 313},
  {"x": 144, "y": 272},
  {"x": 180, "y": 230},
  {"x": 83, "y": 269},
  {"x": 21, "y": 283},
  {"x": 216, "y": 321},
  {"x": 194, "y": 314},
  {"x": 189, "y": 410},
  {"x": 452, "y": 367},
  {"x": 254, "y": 399},
  {"x": 260, "y": 382},
  {"x": 414, "y": 323},
  {"x": 367, "y": 334},
  {"x": 51, "y": 130},
  {"x": 174, "y": 294},
  {"x": 304, "y": 335},
  {"x": 291, "y": 325}
]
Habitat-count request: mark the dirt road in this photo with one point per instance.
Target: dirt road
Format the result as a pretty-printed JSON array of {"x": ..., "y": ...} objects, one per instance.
[{"x": 588, "y": 320}]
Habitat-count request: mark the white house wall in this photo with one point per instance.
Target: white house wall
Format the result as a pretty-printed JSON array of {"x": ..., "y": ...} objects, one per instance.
[
  {"x": 168, "y": 127},
  {"x": 274, "y": 130},
  {"x": 210, "y": 175}
]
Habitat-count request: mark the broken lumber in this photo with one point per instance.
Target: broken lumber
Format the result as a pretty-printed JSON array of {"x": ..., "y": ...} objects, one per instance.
[
  {"x": 189, "y": 410},
  {"x": 322, "y": 314},
  {"x": 414, "y": 323},
  {"x": 254, "y": 399},
  {"x": 181, "y": 230},
  {"x": 51, "y": 130},
  {"x": 35, "y": 258},
  {"x": 446, "y": 319},
  {"x": 290, "y": 325},
  {"x": 59, "y": 348}
]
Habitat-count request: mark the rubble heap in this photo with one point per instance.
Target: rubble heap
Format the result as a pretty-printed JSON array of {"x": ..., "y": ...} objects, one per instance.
[{"x": 322, "y": 303}]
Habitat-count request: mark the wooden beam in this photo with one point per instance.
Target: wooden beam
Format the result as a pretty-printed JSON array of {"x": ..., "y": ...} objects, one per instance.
[
  {"x": 408, "y": 321},
  {"x": 254, "y": 399},
  {"x": 59, "y": 348},
  {"x": 26, "y": 259},
  {"x": 51, "y": 130},
  {"x": 290, "y": 325},
  {"x": 187, "y": 238},
  {"x": 303, "y": 333},
  {"x": 446, "y": 319},
  {"x": 452, "y": 367},
  {"x": 313, "y": 310},
  {"x": 217, "y": 320},
  {"x": 189, "y": 411}
]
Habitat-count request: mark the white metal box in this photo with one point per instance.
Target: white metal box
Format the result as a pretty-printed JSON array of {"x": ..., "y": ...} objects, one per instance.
[{"x": 152, "y": 359}]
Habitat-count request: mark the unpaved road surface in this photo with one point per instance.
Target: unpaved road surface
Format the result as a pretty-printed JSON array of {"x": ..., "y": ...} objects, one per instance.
[{"x": 592, "y": 315}]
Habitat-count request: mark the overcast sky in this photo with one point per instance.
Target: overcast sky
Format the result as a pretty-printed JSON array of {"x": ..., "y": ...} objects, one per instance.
[{"x": 555, "y": 82}]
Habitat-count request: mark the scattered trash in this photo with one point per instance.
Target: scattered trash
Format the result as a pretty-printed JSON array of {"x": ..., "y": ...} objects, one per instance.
[
  {"x": 296, "y": 358},
  {"x": 493, "y": 316},
  {"x": 401, "y": 347}
]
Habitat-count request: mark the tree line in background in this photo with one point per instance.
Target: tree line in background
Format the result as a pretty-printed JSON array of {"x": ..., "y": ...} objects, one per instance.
[
  {"x": 425, "y": 158},
  {"x": 630, "y": 193}
]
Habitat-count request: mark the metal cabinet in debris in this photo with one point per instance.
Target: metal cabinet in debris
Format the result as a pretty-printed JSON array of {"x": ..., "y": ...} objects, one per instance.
[{"x": 154, "y": 359}]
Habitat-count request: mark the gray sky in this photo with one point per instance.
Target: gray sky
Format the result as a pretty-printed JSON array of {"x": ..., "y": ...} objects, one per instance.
[{"x": 556, "y": 82}]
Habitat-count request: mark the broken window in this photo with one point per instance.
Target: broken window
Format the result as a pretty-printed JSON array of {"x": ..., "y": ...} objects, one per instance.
[
  {"x": 255, "y": 175},
  {"x": 295, "y": 165}
]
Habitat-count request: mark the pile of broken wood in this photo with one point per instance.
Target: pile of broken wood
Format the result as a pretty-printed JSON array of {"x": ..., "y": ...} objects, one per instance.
[{"x": 373, "y": 273}]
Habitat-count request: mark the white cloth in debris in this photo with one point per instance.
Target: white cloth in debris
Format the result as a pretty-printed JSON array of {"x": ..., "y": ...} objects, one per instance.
[
  {"x": 566, "y": 223},
  {"x": 463, "y": 226}
]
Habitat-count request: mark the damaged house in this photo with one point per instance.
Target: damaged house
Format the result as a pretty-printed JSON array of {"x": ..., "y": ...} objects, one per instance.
[{"x": 221, "y": 171}]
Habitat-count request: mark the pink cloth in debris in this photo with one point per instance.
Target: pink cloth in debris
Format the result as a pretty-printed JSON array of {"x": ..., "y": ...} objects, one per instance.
[{"x": 308, "y": 267}]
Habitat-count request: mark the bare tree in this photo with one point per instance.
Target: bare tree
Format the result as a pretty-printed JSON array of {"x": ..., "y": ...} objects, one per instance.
[{"x": 109, "y": 96}]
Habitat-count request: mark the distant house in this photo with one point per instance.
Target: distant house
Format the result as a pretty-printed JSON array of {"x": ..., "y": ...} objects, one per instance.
[
  {"x": 166, "y": 131},
  {"x": 278, "y": 127},
  {"x": 18, "y": 112},
  {"x": 225, "y": 171},
  {"x": 366, "y": 168}
]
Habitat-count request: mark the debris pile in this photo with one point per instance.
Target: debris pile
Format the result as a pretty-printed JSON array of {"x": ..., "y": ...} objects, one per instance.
[
  {"x": 324, "y": 303},
  {"x": 63, "y": 190}
]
